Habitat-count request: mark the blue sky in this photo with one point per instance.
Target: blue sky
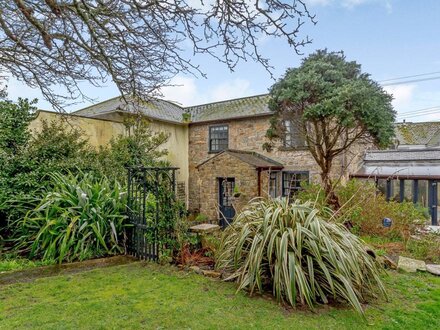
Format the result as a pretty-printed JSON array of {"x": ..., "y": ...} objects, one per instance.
[{"x": 390, "y": 38}]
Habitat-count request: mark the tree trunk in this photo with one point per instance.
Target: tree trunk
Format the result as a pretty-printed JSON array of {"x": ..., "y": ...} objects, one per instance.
[{"x": 332, "y": 198}]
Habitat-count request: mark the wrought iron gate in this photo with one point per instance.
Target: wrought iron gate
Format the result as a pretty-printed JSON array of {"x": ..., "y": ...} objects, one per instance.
[{"x": 151, "y": 195}]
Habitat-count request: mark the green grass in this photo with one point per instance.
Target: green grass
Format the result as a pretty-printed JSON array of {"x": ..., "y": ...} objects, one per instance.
[
  {"x": 13, "y": 263},
  {"x": 149, "y": 296}
]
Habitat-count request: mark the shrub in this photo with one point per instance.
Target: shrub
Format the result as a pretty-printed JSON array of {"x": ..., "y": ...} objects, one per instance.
[
  {"x": 14, "y": 136},
  {"x": 364, "y": 208},
  {"x": 303, "y": 258},
  {"x": 201, "y": 218},
  {"x": 26, "y": 159},
  {"x": 78, "y": 217},
  {"x": 139, "y": 146},
  {"x": 424, "y": 246},
  {"x": 56, "y": 148}
]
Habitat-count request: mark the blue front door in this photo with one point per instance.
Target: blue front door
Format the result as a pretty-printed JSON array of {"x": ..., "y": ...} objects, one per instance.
[{"x": 226, "y": 192}]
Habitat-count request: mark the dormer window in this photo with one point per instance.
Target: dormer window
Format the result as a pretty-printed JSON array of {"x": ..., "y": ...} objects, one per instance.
[{"x": 218, "y": 138}]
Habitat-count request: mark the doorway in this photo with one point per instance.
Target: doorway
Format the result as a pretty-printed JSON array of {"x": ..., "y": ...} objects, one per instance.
[{"x": 226, "y": 192}]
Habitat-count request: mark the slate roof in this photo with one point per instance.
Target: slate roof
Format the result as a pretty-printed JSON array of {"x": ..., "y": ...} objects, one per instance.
[
  {"x": 250, "y": 157},
  {"x": 426, "y": 133},
  {"x": 155, "y": 109},
  {"x": 401, "y": 171},
  {"x": 169, "y": 111},
  {"x": 402, "y": 155},
  {"x": 242, "y": 107},
  {"x": 415, "y": 163}
]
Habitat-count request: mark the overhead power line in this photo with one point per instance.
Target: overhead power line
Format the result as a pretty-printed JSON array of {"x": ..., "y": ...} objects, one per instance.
[
  {"x": 410, "y": 81},
  {"x": 419, "y": 110},
  {"x": 413, "y": 76},
  {"x": 420, "y": 114}
]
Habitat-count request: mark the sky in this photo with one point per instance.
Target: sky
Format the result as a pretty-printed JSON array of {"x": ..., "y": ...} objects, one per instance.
[{"x": 389, "y": 38}]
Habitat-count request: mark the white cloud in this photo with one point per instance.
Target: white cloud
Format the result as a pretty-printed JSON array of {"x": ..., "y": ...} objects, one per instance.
[
  {"x": 182, "y": 91},
  {"x": 230, "y": 89},
  {"x": 402, "y": 94},
  {"x": 186, "y": 92}
]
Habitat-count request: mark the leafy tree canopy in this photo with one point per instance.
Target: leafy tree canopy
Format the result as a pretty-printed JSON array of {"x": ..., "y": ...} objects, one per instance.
[{"x": 332, "y": 104}]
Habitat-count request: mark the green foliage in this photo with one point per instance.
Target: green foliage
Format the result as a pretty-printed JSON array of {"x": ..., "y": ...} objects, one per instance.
[
  {"x": 27, "y": 159},
  {"x": 327, "y": 86},
  {"x": 139, "y": 147},
  {"x": 59, "y": 147},
  {"x": 302, "y": 257},
  {"x": 332, "y": 105},
  {"x": 12, "y": 263},
  {"x": 14, "y": 121},
  {"x": 425, "y": 247},
  {"x": 77, "y": 217},
  {"x": 55, "y": 148},
  {"x": 201, "y": 218},
  {"x": 364, "y": 207}
]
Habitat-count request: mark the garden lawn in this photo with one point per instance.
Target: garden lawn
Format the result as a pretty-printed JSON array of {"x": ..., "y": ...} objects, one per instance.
[{"x": 142, "y": 295}]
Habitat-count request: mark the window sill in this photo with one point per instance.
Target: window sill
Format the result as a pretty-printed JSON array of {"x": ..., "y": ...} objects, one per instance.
[{"x": 293, "y": 148}]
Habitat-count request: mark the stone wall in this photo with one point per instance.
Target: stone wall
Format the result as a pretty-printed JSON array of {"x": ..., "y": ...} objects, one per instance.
[
  {"x": 249, "y": 134},
  {"x": 225, "y": 166}
]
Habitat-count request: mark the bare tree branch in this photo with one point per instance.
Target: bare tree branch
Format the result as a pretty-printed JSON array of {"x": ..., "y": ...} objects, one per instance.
[{"x": 137, "y": 44}]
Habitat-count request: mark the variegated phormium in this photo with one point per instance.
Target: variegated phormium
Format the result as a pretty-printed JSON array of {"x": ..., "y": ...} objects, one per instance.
[
  {"x": 79, "y": 217},
  {"x": 288, "y": 248}
]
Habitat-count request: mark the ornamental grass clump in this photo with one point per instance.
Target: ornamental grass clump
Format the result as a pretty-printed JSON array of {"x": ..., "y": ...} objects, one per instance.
[
  {"x": 290, "y": 249},
  {"x": 78, "y": 217}
]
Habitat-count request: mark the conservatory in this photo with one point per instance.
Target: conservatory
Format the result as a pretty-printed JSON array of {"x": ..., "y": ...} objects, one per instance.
[{"x": 406, "y": 175}]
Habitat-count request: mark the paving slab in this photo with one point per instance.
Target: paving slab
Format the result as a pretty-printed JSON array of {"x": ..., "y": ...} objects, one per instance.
[{"x": 204, "y": 228}]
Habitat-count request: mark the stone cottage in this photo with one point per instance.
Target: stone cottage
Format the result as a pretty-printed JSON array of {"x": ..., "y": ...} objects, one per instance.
[{"x": 218, "y": 149}]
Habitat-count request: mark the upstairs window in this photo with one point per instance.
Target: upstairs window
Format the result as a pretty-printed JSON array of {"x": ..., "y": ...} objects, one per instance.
[
  {"x": 218, "y": 138},
  {"x": 292, "y": 182},
  {"x": 293, "y": 136}
]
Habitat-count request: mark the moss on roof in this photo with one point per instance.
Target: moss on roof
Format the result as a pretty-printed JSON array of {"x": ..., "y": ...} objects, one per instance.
[
  {"x": 166, "y": 110},
  {"x": 425, "y": 133},
  {"x": 242, "y": 107}
]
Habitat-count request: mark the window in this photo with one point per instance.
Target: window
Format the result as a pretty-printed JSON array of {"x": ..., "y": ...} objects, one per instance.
[
  {"x": 273, "y": 184},
  {"x": 293, "y": 137},
  {"x": 292, "y": 182},
  {"x": 218, "y": 138}
]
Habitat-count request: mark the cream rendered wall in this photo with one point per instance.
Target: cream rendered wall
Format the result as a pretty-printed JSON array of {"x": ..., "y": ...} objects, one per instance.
[
  {"x": 99, "y": 132},
  {"x": 177, "y": 146}
]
